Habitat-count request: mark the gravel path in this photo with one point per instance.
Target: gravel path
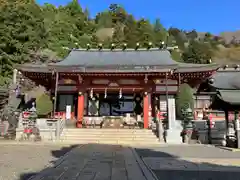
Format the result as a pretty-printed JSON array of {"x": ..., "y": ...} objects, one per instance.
[{"x": 18, "y": 162}]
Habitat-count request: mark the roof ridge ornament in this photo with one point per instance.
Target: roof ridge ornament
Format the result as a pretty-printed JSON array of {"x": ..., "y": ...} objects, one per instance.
[
  {"x": 100, "y": 46},
  {"x": 113, "y": 46},
  {"x": 225, "y": 66},
  {"x": 88, "y": 46},
  {"x": 161, "y": 46},
  {"x": 150, "y": 44},
  {"x": 137, "y": 46},
  {"x": 124, "y": 46}
]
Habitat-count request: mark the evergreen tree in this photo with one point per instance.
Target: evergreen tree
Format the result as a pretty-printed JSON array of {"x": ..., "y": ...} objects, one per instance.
[
  {"x": 197, "y": 52},
  {"x": 22, "y": 31}
]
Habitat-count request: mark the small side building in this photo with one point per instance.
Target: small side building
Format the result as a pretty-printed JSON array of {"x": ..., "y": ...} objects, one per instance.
[{"x": 221, "y": 92}]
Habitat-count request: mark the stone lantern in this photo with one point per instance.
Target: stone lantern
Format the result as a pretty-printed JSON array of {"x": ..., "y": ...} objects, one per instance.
[{"x": 187, "y": 124}]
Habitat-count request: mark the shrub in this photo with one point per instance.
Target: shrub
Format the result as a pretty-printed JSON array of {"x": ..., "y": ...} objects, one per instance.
[
  {"x": 44, "y": 105},
  {"x": 184, "y": 98}
]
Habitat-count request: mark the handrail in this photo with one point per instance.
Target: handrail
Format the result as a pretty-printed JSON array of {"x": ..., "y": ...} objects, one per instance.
[{"x": 59, "y": 128}]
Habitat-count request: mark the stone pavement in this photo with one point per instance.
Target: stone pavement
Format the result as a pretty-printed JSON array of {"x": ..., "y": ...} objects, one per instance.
[
  {"x": 192, "y": 162},
  {"x": 97, "y": 162}
]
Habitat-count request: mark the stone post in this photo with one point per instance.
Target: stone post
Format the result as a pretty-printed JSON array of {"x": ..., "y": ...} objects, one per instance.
[
  {"x": 15, "y": 71},
  {"x": 58, "y": 129},
  {"x": 237, "y": 128}
]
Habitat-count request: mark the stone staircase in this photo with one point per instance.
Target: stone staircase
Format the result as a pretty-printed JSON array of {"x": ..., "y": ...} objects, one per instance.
[{"x": 133, "y": 137}]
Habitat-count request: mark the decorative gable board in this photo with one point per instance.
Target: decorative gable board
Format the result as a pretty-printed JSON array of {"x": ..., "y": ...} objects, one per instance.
[
  {"x": 66, "y": 81},
  {"x": 100, "y": 81},
  {"x": 128, "y": 81},
  {"x": 163, "y": 88},
  {"x": 67, "y": 88},
  {"x": 113, "y": 84},
  {"x": 163, "y": 81}
]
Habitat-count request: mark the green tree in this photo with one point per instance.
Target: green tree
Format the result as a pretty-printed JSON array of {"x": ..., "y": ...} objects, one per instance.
[
  {"x": 197, "y": 52},
  {"x": 184, "y": 98},
  {"x": 130, "y": 31},
  {"x": 145, "y": 32},
  {"x": 118, "y": 35},
  {"x": 118, "y": 13},
  {"x": 160, "y": 33},
  {"x": 22, "y": 31}
]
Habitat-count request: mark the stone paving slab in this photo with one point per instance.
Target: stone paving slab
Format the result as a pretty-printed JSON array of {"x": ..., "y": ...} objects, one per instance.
[
  {"x": 96, "y": 162},
  {"x": 193, "y": 164}
]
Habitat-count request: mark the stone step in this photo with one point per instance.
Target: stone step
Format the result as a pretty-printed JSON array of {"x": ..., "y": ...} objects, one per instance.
[
  {"x": 87, "y": 141},
  {"x": 108, "y": 135},
  {"x": 106, "y": 132},
  {"x": 111, "y": 138}
]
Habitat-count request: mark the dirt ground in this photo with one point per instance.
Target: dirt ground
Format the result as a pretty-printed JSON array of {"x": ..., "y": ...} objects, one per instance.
[{"x": 19, "y": 162}]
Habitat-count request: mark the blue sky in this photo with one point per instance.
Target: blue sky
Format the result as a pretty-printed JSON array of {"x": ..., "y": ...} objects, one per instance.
[{"x": 213, "y": 16}]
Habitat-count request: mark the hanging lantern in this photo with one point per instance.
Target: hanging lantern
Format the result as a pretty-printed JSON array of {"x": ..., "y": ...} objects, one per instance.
[
  {"x": 91, "y": 93},
  {"x": 105, "y": 93},
  {"x": 120, "y": 93}
]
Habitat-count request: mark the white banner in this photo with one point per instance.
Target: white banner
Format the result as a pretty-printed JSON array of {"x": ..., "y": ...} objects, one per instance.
[{"x": 68, "y": 112}]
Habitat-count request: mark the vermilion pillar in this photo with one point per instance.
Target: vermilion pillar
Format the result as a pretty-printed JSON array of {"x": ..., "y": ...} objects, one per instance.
[
  {"x": 80, "y": 109},
  {"x": 145, "y": 111}
]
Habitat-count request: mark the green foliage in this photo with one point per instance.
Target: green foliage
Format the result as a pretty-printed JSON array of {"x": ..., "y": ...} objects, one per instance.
[
  {"x": 197, "y": 52},
  {"x": 27, "y": 28},
  {"x": 44, "y": 105},
  {"x": 184, "y": 98}
]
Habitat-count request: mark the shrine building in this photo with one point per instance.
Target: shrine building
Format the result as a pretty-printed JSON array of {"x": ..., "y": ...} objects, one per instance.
[{"x": 116, "y": 82}]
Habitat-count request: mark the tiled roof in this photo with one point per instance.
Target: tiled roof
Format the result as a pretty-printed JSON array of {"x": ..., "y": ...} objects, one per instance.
[
  {"x": 226, "y": 80},
  {"x": 229, "y": 96},
  {"x": 119, "y": 60},
  {"x": 119, "y": 57}
]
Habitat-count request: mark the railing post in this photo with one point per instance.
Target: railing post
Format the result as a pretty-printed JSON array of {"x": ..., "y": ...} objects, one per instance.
[{"x": 58, "y": 130}]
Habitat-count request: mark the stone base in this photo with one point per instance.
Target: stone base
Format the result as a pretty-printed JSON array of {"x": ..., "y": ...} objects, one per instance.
[
  {"x": 46, "y": 134},
  {"x": 174, "y": 136}
]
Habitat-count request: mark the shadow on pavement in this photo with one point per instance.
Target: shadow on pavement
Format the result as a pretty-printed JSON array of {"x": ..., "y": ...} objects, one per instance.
[
  {"x": 55, "y": 153},
  {"x": 166, "y": 166},
  {"x": 179, "y": 164}
]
